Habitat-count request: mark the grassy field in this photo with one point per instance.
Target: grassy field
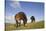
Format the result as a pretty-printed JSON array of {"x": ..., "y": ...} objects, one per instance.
[{"x": 34, "y": 25}]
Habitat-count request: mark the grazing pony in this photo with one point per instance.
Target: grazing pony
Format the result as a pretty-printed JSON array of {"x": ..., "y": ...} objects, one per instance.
[
  {"x": 32, "y": 19},
  {"x": 20, "y": 16}
]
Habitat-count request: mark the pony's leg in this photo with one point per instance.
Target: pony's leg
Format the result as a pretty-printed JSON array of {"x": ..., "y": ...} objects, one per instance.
[
  {"x": 34, "y": 20},
  {"x": 31, "y": 21},
  {"x": 19, "y": 23},
  {"x": 24, "y": 22},
  {"x": 16, "y": 23}
]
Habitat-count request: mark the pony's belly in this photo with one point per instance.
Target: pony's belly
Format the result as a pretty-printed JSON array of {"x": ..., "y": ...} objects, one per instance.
[{"x": 19, "y": 21}]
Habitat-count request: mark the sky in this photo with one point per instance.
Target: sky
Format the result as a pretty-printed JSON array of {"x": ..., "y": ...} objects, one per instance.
[{"x": 35, "y": 9}]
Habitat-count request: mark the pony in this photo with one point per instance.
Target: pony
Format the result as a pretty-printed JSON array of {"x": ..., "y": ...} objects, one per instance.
[
  {"x": 32, "y": 19},
  {"x": 20, "y": 17}
]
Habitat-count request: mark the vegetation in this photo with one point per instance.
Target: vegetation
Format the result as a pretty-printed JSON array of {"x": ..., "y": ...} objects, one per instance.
[{"x": 34, "y": 25}]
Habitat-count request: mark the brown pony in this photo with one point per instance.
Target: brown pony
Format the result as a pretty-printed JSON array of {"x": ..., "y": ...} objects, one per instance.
[{"x": 20, "y": 16}]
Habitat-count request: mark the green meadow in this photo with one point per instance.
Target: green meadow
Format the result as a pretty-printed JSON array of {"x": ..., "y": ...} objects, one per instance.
[{"x": 34, "y": 25}]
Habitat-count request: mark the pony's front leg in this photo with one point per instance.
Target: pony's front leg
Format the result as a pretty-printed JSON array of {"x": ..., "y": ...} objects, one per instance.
[
  {"x": 19, "y": 22},
  {"x": 16, "y": 23}
]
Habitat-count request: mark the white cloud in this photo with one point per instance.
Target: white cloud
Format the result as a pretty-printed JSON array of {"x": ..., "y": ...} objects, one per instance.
[
  {"x": 10, "y": 19},
  {"x": 15, "y": 4}
]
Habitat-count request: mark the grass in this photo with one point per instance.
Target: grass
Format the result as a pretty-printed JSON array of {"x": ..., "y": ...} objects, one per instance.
[{"x": 34, "y": 25}]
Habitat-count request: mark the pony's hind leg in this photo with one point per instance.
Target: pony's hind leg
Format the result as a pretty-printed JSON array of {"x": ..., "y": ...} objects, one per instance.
[{"x": 24, "y": 23}]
